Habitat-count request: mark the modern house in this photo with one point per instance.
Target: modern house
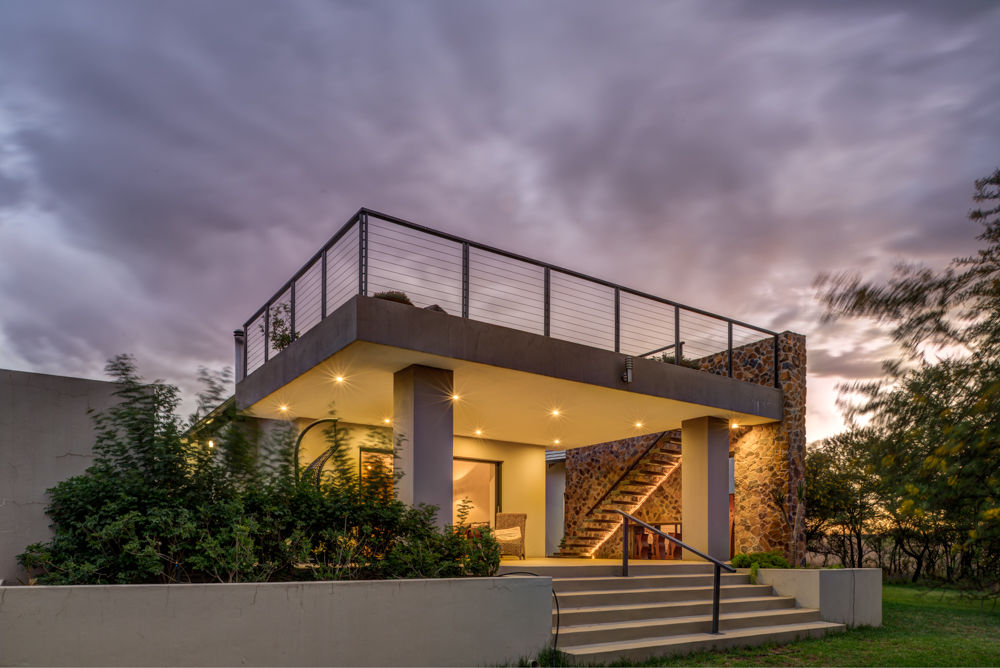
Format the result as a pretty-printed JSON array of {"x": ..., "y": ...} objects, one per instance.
[{"x": 502, "y": 357}]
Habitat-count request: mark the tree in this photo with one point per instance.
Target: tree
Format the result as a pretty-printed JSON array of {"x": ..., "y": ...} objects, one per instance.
[
  {"x": 935, "y": 416},
  {"x": 842, "y": 496}
]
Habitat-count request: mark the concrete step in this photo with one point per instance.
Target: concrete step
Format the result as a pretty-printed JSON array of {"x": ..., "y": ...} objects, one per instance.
[
  {"x": 638, "y": 650},
  {"x": 613, "y": 569},
  {"x": 611, "y": 613},
  {"x": 577, "y": 599},
  {"x": 643, "y": 581},
  {"x": 589, "y": 634}
]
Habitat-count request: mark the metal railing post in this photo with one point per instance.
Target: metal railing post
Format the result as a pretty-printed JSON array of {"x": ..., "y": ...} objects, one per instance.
[
  {"x": 625, "y": 532},
  {"x": 291, "y": 316},
  {"x": 465, "y": 280},
  {"x": 267, "y": 331},
  {"x": 322, "y": 288},
  {"x": 618, "y": 320},
  {"x": 730, "y": 362},
  {"x": 716, "y": 584},
  {"x": 363, "y": 255},
  {"x": 548, "y": 301},
  {"x": 677, "y": 335}
]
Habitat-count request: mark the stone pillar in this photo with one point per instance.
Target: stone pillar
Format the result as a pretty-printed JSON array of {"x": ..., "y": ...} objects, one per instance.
[
  {"x": 423, "y": 419},
  {"x": 705, "y": 486},
  {"x": 770, "y": 462}
]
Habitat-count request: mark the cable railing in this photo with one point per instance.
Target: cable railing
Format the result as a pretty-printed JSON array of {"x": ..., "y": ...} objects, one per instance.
[{"x": 374, "y": 252}]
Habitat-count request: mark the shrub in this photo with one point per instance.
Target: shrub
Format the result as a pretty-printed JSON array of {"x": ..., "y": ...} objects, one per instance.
[
  {"x": 159, "y": 505},
  {"x": 394, "y": 296},
  {"x": 772, "y": 559}
]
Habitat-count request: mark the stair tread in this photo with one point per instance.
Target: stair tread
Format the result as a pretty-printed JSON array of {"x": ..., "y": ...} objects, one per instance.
[
  {"x": 621, "y": 607},
  {"x": 656, "y": 577},
  {"x": 723, "y": 616},
  {"x": 693, "y": 638},
  {"x": 645, "y": 590}
]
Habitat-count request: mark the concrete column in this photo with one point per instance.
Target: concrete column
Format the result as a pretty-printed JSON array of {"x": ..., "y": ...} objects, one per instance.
[
  {"x": 423, "y": 418},
  {"x": 705, "y": 485}
]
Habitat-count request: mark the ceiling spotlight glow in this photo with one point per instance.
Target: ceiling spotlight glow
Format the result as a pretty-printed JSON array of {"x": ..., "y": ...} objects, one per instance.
[
  {"x": 556, "y": 441},
  {"x": 339, "y": 379},
  {"x": 282, "y": 408},
  {"x": 479, "y": 432},
  {"x": 454, "y": 397},
  {"x": 386, "y": 420},
  {"x": 556, "y": 412},
  {"x": 638, "y": 425}
]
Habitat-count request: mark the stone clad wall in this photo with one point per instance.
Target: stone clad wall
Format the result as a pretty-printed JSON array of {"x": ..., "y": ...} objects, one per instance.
[
  {"x": 769, "y": 510},
  {"x": 770, "y": 459}
]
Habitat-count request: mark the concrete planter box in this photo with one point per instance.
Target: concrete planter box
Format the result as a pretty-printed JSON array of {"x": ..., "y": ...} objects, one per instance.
[
  {"x": 851, "y": 596},
  {"x": 452, "y": 622}
]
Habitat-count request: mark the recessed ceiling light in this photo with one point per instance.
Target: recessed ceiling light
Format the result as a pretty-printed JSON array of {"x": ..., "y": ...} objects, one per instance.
[
  {"x": 387, "y": 420},
  {"x": 339, "y": 379},
  {"x": 556, "y": 412},
  {"x": 479, "y": 432},
  {"x": 454, "y": 397},
  {"x": 283, "y": 407},
  {"x": 556, "y": 441},
  {"x": 638, "y": 425}
]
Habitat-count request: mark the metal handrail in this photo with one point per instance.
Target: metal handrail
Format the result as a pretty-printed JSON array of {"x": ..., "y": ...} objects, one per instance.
[{"x": 719, "y": 565}]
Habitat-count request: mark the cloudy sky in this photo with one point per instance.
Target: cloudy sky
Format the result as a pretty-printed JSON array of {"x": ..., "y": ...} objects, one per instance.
[{"x": 165, "y": 166}]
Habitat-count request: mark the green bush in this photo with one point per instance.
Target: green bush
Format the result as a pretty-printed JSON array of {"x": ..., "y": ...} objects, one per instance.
[
  {"x": 161, "y": 505},
  {"x": 772, "y": 559}
]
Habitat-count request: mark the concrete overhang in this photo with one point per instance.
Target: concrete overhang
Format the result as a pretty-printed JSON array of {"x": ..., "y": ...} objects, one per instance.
[{"x": 508, "y": 382}]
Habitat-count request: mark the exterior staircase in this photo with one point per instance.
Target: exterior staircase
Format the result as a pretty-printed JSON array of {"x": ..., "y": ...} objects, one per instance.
[
  {"x": 646, "y": 474},
  {"x": 666, "y": 609}
]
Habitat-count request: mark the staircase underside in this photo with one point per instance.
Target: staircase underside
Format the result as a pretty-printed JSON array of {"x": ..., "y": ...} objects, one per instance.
[{"x": 627, "y": 494}]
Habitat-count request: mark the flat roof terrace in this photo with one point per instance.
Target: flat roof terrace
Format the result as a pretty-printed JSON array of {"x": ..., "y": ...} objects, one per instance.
[{"x": 520, "y": 335}]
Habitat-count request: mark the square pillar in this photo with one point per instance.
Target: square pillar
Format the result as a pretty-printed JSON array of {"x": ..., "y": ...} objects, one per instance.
[
  {"x": 423, "y": 419},
  {"x": 705, "y": 485}
]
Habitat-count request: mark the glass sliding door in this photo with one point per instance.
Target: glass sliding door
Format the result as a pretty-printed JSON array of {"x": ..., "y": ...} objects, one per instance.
[{"x": 475, "y": 486}]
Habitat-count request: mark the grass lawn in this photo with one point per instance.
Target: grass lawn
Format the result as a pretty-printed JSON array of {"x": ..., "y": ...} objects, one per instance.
[{"x": 920, "y": 627}]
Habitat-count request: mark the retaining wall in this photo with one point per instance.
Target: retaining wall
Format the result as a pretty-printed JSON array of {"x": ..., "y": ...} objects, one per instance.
[{"x": 449, "y": 622}]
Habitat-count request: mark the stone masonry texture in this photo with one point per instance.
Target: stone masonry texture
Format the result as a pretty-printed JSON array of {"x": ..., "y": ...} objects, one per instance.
[{"x": 769, "y": 508}]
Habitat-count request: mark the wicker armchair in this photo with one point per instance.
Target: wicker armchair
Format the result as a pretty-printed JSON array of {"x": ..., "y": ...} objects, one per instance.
[{"x": 509, "y": 545}]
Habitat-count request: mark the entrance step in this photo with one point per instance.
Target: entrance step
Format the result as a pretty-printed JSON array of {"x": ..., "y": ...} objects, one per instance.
[
  {"x": 575, "y": 599},
  {"x": 666, "y": 608},
  {"x": 675, "y": 626},
  {"x": 609, "y": 613},
  {"x": 644, "y": 648},
  {"x": 568, "y": 584}
]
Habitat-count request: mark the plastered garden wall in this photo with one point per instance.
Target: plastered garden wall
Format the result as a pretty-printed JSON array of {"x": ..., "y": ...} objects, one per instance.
[{"x": 450, "y": 622}]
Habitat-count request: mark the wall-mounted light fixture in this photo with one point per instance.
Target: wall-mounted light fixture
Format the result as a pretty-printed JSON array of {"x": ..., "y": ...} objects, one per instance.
[{"x": 627, "y": 376}]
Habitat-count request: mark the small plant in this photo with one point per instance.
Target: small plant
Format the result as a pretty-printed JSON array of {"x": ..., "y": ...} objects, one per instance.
[
  {"x": 280, "y": 334},
  {"x": 393, "y": 296},
  {"x": 669, "y": 358},
  {"x": 772, "y": 559}
]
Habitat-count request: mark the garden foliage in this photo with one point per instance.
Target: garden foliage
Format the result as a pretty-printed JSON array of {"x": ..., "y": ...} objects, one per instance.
[
  {"x": 918, "y": 487},
  {"x": 213, "y": 501}
]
